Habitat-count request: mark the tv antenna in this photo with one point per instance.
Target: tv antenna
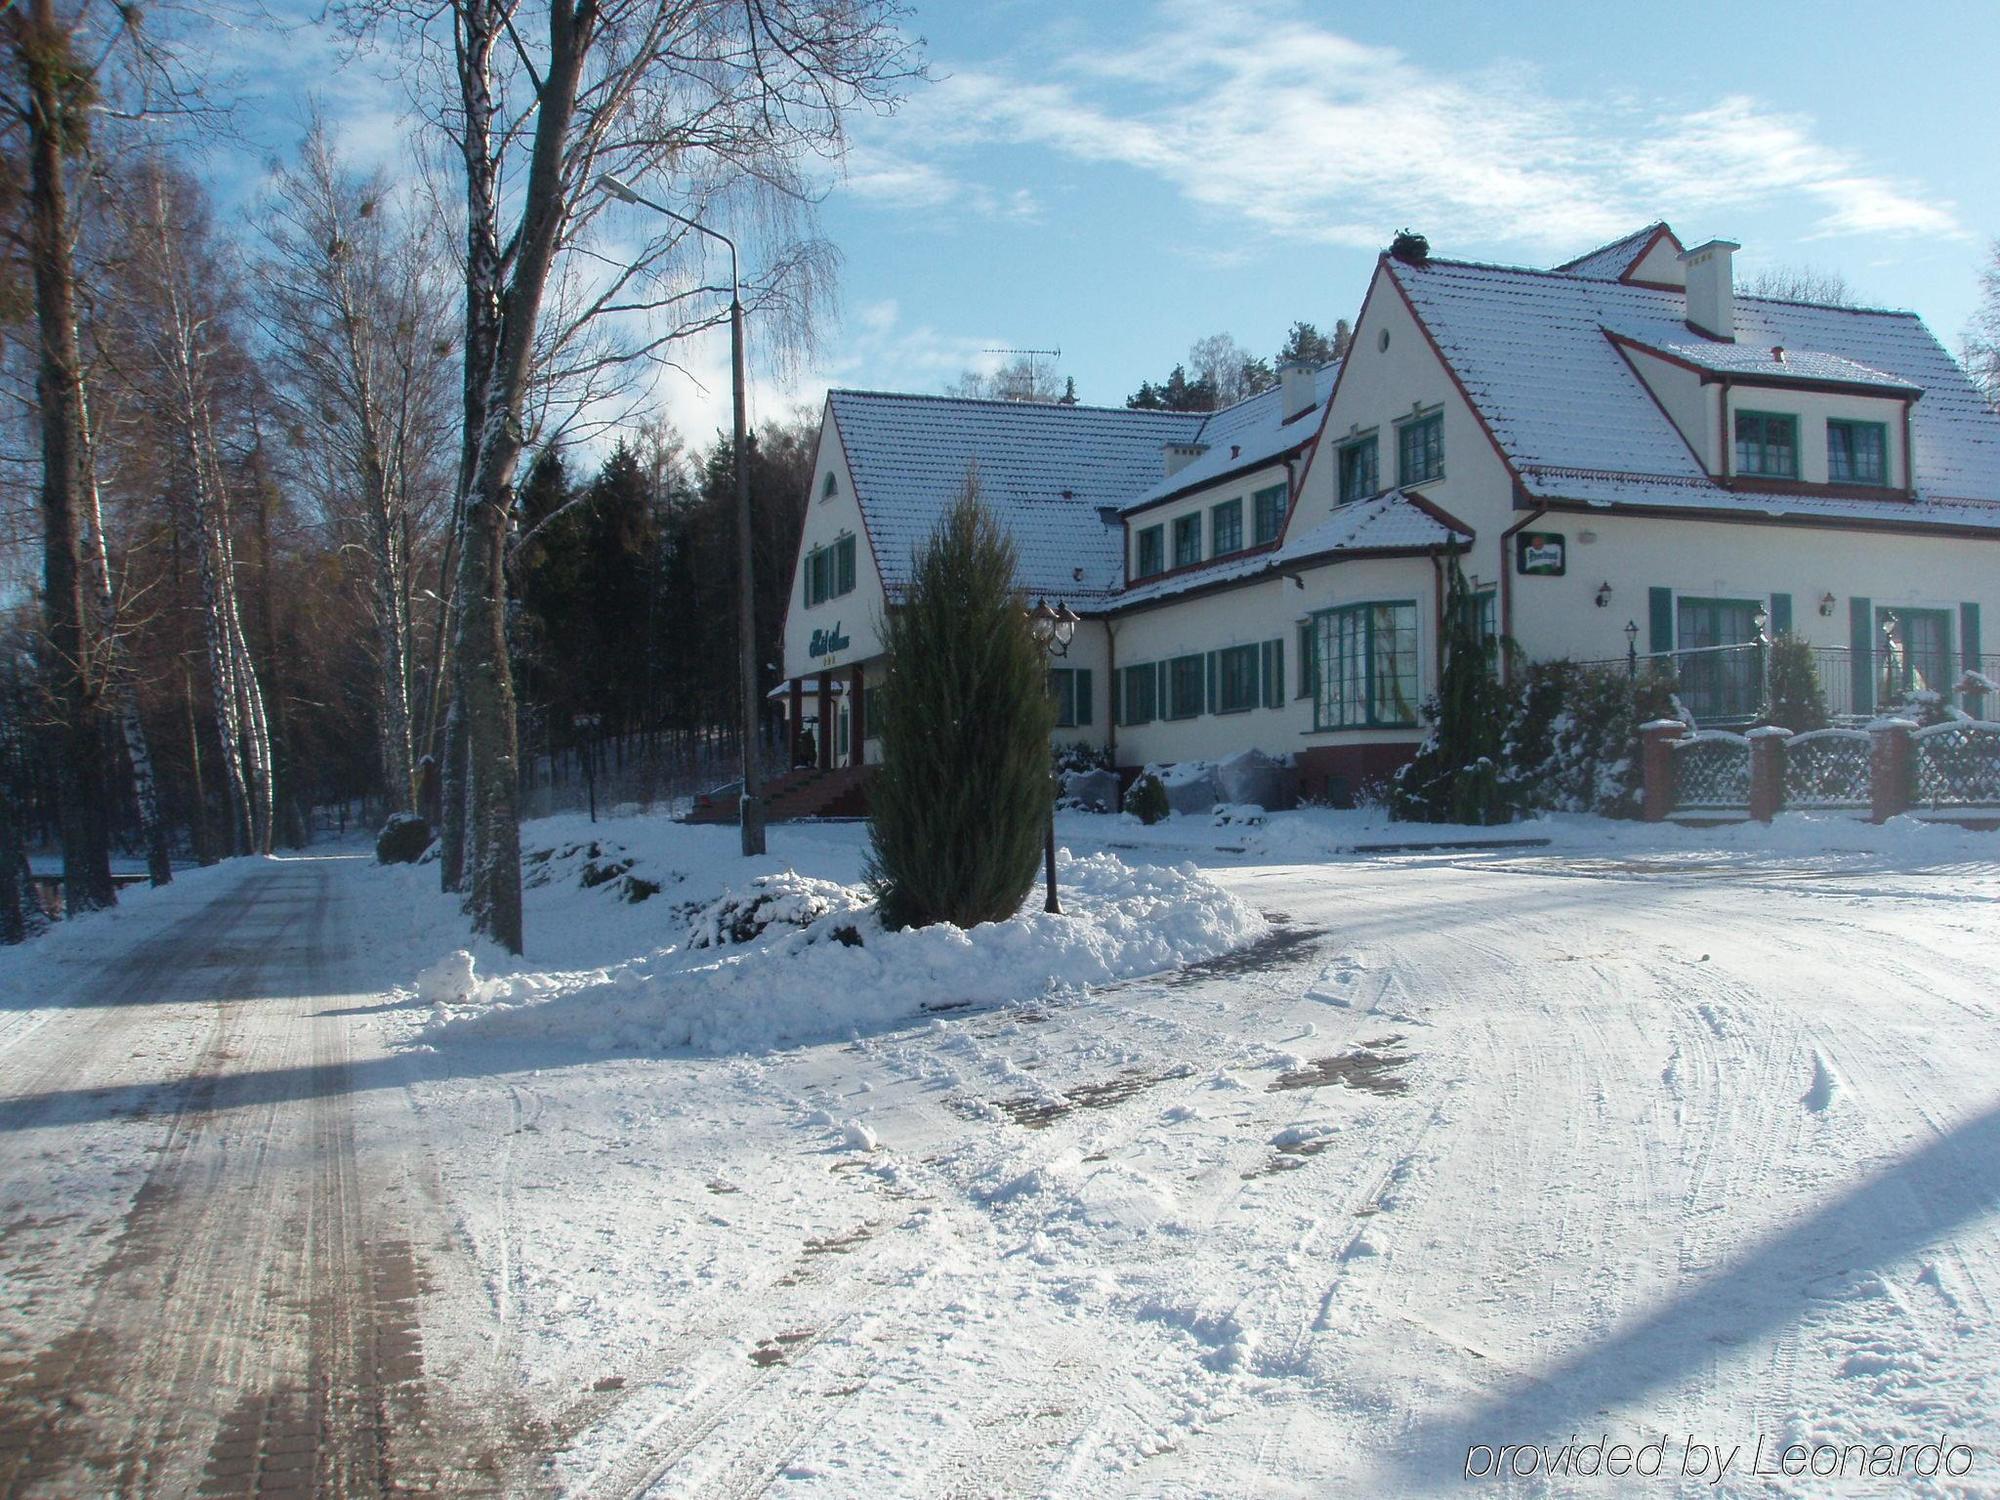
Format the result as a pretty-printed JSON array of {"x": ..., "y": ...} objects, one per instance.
[{"x": 1045, "y": 353}]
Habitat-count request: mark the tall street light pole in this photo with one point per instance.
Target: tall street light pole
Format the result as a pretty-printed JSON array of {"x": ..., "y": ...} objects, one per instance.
[{"x": 750, "y": 809}]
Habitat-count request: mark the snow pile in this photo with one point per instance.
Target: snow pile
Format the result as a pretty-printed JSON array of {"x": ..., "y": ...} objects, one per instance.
[
  {"x": 454, "y": 980},
  {"x": 786, "y": 899},
  {"x": 842, "y": 973}
]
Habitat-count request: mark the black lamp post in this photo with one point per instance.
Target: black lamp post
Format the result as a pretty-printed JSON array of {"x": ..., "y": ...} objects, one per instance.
[
  {"x": 1631, "y": 648},
  {"x": 1054, "y": 629},
  {"x": 750, "y": 809},
  {"x": 586, "y": 728}
]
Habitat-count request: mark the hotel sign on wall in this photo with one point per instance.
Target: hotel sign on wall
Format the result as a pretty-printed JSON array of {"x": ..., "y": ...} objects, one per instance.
[
  {"x": 1544, "y": 553},
  {"x": 827, "y": 642}
]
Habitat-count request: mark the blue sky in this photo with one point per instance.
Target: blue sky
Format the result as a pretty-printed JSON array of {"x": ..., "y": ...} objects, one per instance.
[{"x": 1125, "y": 177}]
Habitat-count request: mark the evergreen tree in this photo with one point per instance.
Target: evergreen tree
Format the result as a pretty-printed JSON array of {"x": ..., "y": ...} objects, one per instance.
[
  {"x": 1455, "y": 776},
  {"x": 961, "y": 800}
]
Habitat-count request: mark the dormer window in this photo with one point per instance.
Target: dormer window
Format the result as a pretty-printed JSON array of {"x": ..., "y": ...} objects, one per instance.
[
  {"x": 1225, "y": 527},
  {"x": 1152, "y": 552},
  {"x": 1187, "y": 540},
  {"x": 1857, "y": 452},
  {"x": 1767, "y": 445}
]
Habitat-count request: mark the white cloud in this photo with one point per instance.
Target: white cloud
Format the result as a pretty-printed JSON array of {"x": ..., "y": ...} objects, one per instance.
[{"x": 1252, "y": 112}]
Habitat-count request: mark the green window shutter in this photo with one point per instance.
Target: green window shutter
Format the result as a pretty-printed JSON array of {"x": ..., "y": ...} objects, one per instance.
[
  {"x": 1274, "y": 673},
  {"x": 1116, "y": 707},
  {"x": 1306, "y": 660},
  {"x": 1083, "y": 695},
  {"x": 1660, "y": 616},
  {"x": 1214, "y": 674},
  {"x": 1861, "y": 653},
  {"x": 1163, "y": 703},
  {"x": 1968, "y": 646},
  {"x": 1781, "y": 614}
]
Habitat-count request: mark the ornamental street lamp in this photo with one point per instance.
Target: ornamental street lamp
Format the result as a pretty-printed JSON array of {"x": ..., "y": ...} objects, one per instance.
[
  {"x": 750, "y": 808},
  {"x": 1053, "y": 630},
  {"x": 1631, "y": 648}
]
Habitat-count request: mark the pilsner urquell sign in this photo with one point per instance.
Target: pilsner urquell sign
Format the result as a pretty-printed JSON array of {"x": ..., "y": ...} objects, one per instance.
[{"x": 826, "y": 642}]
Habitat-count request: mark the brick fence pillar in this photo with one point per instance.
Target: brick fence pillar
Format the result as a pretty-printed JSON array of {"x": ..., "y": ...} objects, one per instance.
[
  {"x": 1656, "y": 764},
  {"x": 1889, "y": 767},
  {"x": 1767, "y": 771}
]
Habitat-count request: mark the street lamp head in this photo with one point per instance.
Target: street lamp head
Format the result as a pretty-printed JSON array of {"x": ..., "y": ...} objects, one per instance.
[
  {"x": 1067, "y": 620},
  {"x": 616, "y": 188},
  {"x": 1042, "y": 623},
  {"x": 1631, "y": 632}
]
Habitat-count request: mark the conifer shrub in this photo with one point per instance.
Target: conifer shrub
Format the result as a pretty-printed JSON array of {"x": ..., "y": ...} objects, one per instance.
[
  {"x": 960, "y": 802},
  {"x": 1455, "y": 776},
  {"x": 1146, "y": 799},
  {"x": 1796, "y": 700}
]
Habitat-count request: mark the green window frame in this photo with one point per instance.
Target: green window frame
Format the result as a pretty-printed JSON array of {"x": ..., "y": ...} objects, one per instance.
[
  {"x": 1918, "y": 657},
  {"x": 1140, "y": 686},
  {"x": 1187, "y": 540},
  {"x": 1767, "y": 444},
  {"x": 1271, "y": 656},
  {"x": 1366, "y": 664},
  {"x": 1420, "y": 449},
  {"x": 1185, "y": 687},
  {"x": 1238, "y": 679},
  {"x": 843, "y": 557},
  {"x": 1360, "y": 469},
  {"x": 1152, "y": 552},
  {"x": 816, "y": 571},
  {"x": 1483, "y": 608},
  {"x": 1069, "y": 687},
  {"x": 1308, "y": 673},
  {"x": 1225, "y": 528},
  {"x": 830, "y": 486},
  {"x": 1270, "y": 504},
  {"x": 1857, "y": 452}
]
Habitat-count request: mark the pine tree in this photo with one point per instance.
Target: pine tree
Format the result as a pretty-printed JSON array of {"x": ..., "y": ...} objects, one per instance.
[
  {"x": 1455, "y": 776},
  {"x": 961, "y": 800}
]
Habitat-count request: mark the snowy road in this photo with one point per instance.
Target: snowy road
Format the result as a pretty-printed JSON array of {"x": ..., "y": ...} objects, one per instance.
[
  {"x": 215, "y": 1232},
  {"x": 1655, "y": 1142}
]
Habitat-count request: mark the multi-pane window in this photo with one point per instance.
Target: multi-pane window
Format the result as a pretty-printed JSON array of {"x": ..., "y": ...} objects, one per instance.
[
  {"x": 830, "y": 571},
  {"x": 1365, "y": 661},
  {"x": 1237, "y": 687},
  {"x": 1857, "y": 453},
  {"x": 1152, "y": 552},
  {"x": 1481, "y": 607},
  {"x": 1917, "y": 654},
  {"x": 1184, "y": 687},
  {"x": 1420, "y": 449},
  {"x": 1140, "y": 686},
  {"x": 1187, "y": 540},
  {"x": 1767, "y": 444},
  {"x": 1225, "y": 528},
  {"x": 1070, "y": 688},
  {"x": 1269, "y": 505},
  {"x": 1358, "y": 470}
]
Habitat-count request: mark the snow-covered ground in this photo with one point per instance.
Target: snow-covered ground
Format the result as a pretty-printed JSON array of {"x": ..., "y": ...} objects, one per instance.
[{"x": 1311, "y": 1173}]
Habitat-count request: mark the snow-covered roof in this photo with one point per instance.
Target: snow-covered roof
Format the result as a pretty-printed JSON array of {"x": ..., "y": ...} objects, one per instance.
[
  {"x": 1044, "y": 469},
  {"x": 1393, "y": 521},
  {"x": 1570, "y": 414},
  {"x": 1776, "y": 362},
  {"x": 1251, "y": 433},
  {"x": 1609, "y": 262}
]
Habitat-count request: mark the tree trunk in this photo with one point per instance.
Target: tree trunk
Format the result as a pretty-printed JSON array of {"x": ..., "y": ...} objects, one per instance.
[
  {"x": 82, "y": 779},
  {"x": 483, "y": 713}
]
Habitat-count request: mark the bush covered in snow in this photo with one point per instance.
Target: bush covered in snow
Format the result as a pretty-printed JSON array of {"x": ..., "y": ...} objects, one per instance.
[
  {"x": 402, "y": 840},
  {"x": 788, "y": 899},
  {"x": 1146, "y": 799},
  {"x": 1796, "y": 700}
]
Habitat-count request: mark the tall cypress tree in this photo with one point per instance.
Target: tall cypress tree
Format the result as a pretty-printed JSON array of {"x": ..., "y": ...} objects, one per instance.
[
  {"x": 961, "y": 799},
  {"x": 1455, "y": 776}
]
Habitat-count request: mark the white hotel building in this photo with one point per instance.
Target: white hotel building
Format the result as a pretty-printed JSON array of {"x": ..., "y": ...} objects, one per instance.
[{"x": 1634, "y": 458}]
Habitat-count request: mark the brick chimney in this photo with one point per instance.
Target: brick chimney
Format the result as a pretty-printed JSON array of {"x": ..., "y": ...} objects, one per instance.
[
  {"x": 1711, "y": 288},
  {"x": 1295, "y": 380}
]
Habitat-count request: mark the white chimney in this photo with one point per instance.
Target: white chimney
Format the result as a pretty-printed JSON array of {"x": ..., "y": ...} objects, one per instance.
[
  {"x": 1179, "y": 455},
  {"x": 1295, "y": 380},
  {"x": 1711, "y": 288}
]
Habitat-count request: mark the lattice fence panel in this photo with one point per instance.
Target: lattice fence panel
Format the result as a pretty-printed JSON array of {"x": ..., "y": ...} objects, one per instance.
[
  {"x": 1958, "y": 765},
  {"x": 1828, "y": 768},
  {"x": 1712, "y": 769}
]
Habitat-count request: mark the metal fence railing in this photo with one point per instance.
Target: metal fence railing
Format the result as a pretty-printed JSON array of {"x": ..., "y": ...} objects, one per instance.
[{"x": 1728, "y": 685}]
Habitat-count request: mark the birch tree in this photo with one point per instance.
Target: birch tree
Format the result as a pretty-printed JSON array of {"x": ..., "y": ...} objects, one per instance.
[
  {"x": 714, "y": 107},
  {"x": 360, "y": 326}
]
